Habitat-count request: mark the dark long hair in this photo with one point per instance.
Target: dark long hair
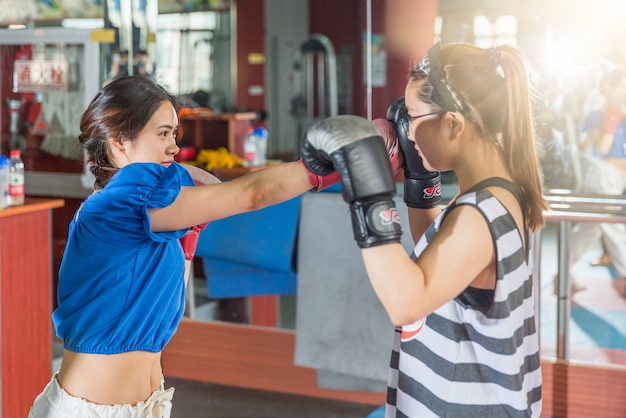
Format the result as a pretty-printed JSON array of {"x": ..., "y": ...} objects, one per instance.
[{"x": 120, "y": 110}]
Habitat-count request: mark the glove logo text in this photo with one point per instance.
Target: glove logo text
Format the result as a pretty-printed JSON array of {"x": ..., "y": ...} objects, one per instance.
[
  {"x": 431, "y": 192},
  {"x": 389, "y": 216}
]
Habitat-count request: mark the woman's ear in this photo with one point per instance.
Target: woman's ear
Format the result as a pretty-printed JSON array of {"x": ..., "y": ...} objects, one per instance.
[
  {"x": 457, "y": 123},
  {"x": 117, "y": 145},
  {"x": 117, "y": 150}
]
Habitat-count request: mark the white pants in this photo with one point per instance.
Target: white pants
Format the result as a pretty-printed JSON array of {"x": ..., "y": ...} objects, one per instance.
[
  {"x": 605, "y": 178},
  {"x": 55, "y": 402}
]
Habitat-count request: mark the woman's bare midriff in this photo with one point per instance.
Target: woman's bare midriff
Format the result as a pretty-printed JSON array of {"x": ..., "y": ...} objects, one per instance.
[{"x": 127, "y": 378}]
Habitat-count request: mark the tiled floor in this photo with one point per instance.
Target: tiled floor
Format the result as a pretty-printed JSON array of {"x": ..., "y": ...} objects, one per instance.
[{"x": 597, "y": 329}]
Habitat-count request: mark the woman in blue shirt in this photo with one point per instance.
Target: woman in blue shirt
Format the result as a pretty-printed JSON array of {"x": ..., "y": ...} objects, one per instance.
[{"x": 121, "y": 285}]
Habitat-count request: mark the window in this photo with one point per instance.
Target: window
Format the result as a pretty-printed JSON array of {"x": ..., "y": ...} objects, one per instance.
[
  {"x": 502, "y": 31},
  {"x": 187, "y": 45}
]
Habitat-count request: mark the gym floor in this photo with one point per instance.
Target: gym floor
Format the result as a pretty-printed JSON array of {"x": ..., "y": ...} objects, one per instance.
[
  {"x": 200, "y": 399},
  {"x": 597, "y": 326}
]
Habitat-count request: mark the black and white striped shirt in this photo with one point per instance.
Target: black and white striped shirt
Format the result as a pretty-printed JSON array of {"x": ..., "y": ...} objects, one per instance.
[{"x": 468, "y": 361}]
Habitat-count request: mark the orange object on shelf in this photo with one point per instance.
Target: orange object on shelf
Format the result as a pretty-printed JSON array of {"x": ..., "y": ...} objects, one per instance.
[
  {"x": 190, "y": 111},
  {"x": 216, "y": 130},
  {"x": 195, "y": 111}
]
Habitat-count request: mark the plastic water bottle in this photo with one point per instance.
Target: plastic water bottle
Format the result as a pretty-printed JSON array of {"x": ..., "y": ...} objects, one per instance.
[
  {"x": 16, "y": 179},
  {"x": 249, "y": 149},
  {"x": 261, "y": 136},
  {"x": 5, "y": 167}
]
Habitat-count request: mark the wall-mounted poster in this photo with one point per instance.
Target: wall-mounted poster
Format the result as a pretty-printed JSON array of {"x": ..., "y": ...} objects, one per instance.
[
  {"x": 24, "y": 11},
  {"x": 186, "y": 6},
  {"x": 379, "y": 60}
]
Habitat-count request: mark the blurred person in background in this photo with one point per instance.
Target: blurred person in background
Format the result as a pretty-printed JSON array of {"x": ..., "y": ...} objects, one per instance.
[{"x": 603, "y": 147}]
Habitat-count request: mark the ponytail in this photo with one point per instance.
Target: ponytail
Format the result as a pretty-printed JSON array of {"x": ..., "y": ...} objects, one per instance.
[
  {"x": 518, "y": 143},
  {"x": 492, "y": 88}
]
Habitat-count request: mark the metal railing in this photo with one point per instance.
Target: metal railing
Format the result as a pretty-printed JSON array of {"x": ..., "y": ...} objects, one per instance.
[{"x": 566, "y": 207}]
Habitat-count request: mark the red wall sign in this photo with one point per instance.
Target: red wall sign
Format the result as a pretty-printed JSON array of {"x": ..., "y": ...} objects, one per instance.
[{"x": 37, "y": 76}]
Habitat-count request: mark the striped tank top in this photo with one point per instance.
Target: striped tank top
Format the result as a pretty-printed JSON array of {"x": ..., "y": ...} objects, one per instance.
[{"x": 470, "y": 361}]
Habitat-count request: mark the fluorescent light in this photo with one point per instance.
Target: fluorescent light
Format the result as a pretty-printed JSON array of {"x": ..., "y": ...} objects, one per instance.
[{"x": 83, "y": 23}]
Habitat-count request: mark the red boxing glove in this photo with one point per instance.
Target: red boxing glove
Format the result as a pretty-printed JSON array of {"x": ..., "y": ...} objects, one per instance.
[
  {"x": 189, "y": 241},
  {"x": 388, "y": 132},
  {"x": 319, "y": 183}
]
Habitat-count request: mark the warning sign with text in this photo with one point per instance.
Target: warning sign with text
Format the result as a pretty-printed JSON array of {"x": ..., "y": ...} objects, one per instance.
[{"x": 38, "y": 76}]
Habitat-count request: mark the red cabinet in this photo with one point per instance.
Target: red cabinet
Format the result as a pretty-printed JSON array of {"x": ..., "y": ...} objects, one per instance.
[{"x": 25, "y": 303}]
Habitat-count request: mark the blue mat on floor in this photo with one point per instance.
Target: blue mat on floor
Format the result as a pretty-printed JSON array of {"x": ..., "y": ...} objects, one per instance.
[{"x": 377, "y": 413}]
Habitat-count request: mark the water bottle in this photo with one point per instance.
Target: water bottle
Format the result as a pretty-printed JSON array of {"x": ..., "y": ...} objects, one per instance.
[
  {"x": 16, "y": 179},
  {"x": 5, "y": 167},
  {"x": 249, "y": 149},
  {"x": 261, "y": 137}
]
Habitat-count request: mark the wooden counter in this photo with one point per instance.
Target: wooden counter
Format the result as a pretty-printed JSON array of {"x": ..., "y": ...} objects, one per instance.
[{"x": 25, "y": 303}]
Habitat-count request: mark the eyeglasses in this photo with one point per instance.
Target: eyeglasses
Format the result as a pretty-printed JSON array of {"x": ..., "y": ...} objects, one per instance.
[{"x": 412, "y": 118}]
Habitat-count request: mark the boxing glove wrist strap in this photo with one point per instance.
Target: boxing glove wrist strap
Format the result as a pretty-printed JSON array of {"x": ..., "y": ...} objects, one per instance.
[
  {"x": 423, "y": 193},
  {"x": 189, "y": 241},
  {"x": 375, "y": 222}
]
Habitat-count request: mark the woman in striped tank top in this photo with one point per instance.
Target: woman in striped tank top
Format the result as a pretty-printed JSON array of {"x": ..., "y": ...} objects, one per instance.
[{"x": 466, "y": 342}]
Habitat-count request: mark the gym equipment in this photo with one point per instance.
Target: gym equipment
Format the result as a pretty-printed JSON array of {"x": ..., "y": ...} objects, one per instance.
[{"x": 314, "y": 98}]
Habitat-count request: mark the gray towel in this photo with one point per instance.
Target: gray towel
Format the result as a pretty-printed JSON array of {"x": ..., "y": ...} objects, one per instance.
[{"x": 341, "y": 326}]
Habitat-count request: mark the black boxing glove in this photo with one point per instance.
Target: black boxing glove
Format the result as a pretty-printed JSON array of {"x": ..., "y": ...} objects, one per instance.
[
  {"x": 353, "y": 147},
  {"x": 422, "y": 188}
]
